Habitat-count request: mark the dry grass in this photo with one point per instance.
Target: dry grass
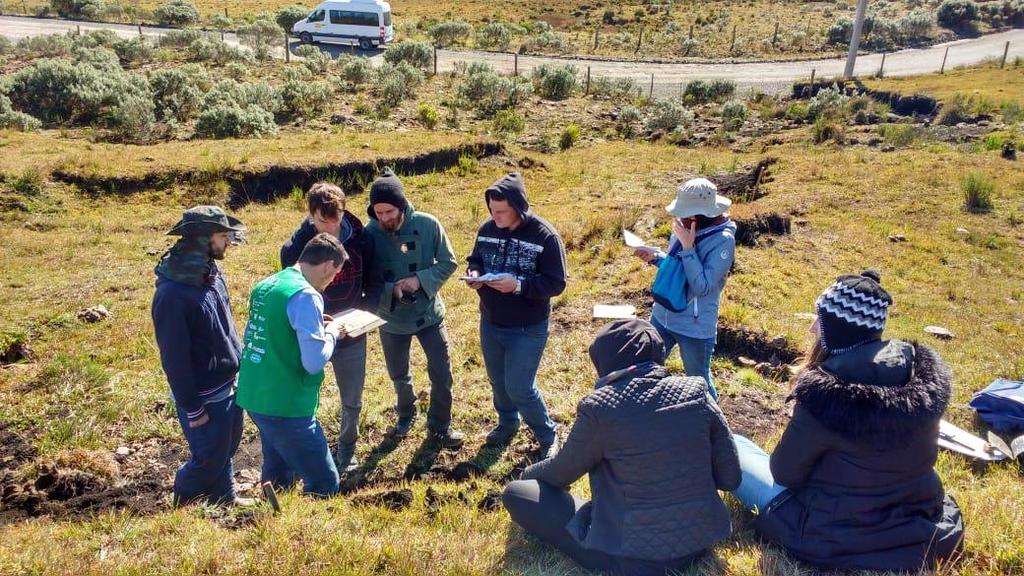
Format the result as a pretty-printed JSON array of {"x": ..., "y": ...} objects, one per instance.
[
  {"x": 991, "y": 82},
  {"x": 79, "y": 252}
]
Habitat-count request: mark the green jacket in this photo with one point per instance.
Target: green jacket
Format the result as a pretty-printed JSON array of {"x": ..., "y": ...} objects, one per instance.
[
  {"x": 271, "y": 380},
  {"x": 419, "y": 247}
]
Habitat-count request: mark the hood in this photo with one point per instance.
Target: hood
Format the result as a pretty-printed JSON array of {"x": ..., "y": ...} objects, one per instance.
[
  {"x": 512, "y": 187},
  {"x": 882, "y": 390},
  {"x": 354, "y": 224},
  {"x": 624, "y": 343}
]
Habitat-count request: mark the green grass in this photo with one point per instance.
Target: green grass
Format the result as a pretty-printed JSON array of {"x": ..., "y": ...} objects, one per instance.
[{"x": 93, "y": 387}]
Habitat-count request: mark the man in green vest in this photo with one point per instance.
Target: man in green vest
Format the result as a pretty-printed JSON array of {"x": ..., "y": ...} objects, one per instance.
[{"x": 287, "y": 344}]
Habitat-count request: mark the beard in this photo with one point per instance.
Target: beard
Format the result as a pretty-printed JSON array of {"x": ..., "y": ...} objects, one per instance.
[
  {"x": 392, "y": 225},
  {"x": 217, "y": 252}
]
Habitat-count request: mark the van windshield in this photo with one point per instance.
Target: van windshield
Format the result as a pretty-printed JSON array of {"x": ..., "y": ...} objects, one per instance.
[
  {"x": 387, "y": 18},
  {"x": 316, "y": 16}
]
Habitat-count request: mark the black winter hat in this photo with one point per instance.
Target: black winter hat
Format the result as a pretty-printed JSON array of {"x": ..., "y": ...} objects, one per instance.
[
  {"x": 622, "y": 343},
  {"x": 388, "y": 189},
  {"x": 852, "y": 311}
]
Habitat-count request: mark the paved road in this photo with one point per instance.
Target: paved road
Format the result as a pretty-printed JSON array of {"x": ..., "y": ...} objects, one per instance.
[{"x": 668, "y": 77}]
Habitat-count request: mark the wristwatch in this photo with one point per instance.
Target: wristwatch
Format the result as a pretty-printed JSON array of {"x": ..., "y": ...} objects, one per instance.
[{"x": 519, "y": 287}]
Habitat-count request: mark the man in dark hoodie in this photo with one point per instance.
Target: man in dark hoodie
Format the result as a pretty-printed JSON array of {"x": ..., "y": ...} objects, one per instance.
[
  {"x": 527, "y": 256},
  {"x": 200, "y": 352},
  {"x": 413, "y": 257},
  {"x": 351, "y": 288}
]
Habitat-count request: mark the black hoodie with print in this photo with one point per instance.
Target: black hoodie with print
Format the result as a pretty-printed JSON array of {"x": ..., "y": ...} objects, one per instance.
[{"x": 533, "y": 253}]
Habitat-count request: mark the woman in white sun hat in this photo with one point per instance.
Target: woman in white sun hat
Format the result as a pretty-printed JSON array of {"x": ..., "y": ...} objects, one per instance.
[{"x": 691, "y": 275}]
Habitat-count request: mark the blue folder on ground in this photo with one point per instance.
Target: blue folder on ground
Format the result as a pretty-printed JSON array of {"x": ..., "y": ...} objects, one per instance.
[{"x": 1001, "y": 405}]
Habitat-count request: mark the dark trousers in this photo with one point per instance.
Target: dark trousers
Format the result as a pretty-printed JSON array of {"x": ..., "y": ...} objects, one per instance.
[
  {"x": 349, "y": 364},
  {"x": 543, "y": 510},
  {"x": 434, "y": 340},
  {"x": 207, "y": 475}
]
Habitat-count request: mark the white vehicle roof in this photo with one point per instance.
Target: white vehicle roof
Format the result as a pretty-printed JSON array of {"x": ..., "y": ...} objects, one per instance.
[{"x": 349, "y": 3}]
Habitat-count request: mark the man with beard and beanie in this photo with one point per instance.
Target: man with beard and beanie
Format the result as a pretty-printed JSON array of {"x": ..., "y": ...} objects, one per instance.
[
  {"x": 200, "y": 352},
  {"x": 656, "y": 449},
  {"x": 351, "y": 288},
  {"x": 413, "y": 256},
  {"x": 287, "y": 345},
  {"x": 528, "y": 255}
]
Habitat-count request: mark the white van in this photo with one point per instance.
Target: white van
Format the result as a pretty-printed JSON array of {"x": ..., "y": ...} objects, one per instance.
[{"x": 363, "y": 22}]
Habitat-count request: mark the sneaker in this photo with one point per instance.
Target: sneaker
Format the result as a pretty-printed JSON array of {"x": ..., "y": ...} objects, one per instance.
[
  {"x": 403, "y": 426},
  {"x": 346, "y": 458},
  {"x": 449, "y": 439},
  {"x": 548, "y": 449},
  {"x": 501, "y": 435}
]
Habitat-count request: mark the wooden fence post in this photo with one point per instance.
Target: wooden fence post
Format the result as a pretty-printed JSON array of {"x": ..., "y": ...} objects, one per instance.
[
  {"x": 435, "y": 60},
  {"x": 942, "y": 70},
  {"x": 881, "y": 68},
  {"x": 287, "y": 49},
  {"x": 596, "y": 31},
  {"x": 515, "y": 63},
  {"x": 813, "y": 71},
  {"x": 1006, "y": 52},
  {"x": 588, "y": 82},
  {"x": 639, "y": 41},
  {"x": 650, "y": 91},
  {"x": 775, "y": 36},
  {"x": 732, "y": 45}
]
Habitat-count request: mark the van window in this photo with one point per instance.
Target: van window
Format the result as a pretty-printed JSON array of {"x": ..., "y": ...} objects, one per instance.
[
  {"x": 316, "y": 16},
  {"x": 352, "y": 18},
  {"x": 387, "y": 18}
]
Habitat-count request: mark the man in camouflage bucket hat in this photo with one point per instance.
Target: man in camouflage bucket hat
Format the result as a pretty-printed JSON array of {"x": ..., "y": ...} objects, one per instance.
[{"x": 200, "y": 352}]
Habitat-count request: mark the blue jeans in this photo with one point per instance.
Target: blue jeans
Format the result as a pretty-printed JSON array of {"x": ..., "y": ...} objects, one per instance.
[
  {"x": 757, "y": 487},
  {"x": 296, "y": 448},
  {"x": 695, "y": 352},
  {"x": 349, "y": 364},
  {"x": 512, "y": 356},
  {"x": 207, "y": 475}
]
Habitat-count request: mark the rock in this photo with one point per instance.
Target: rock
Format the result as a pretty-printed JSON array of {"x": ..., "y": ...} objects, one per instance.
[
  {"x": 889, "y": 148},
  {"x": 875, "y": 141},
  {"x": 94, "y": 314},
  {"x": 765, "y": 369},
  {"x": 122, "y": 451},
  {"x": 364, "y": 145},
  {"x": 897, "y": 238},
  {"x": 744, "y": 361},
  {"x": 153, "y": 252},
  {"x": 963, "y": 231},
  {"x": 939, "y": 332},
  {"x": 342, "y": 119},
  {"x": 779, "y": 342},
  {"x": 1009, "y": 151},
  {"x": 149, "y": 159}
]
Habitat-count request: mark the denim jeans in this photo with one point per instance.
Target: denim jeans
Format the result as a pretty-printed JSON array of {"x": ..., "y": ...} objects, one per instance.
[
  {"x": 434, "y": 341},
  {"x": 296, "y": 448},
  {"x": 349, "y": 364},
  {"x": 207, "y": 475},
  {"x": 695, "y": 352},
  {"x": 512, "y": 356},
  {"x": 757, "y": 487}
]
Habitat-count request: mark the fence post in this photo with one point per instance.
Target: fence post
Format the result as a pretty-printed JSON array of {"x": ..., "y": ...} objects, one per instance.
[
  {"x": 1006, "y": 52},
  {"x": 596, "y": 30},
  {"x": 588, "y": 82},
  {"x": 24, "y": 7},
  {"x": 287, "y": 49},
  {"x": 79, "y": 30},
  {"x": 140, "y": 28},
  {"x": 691, "y": 31},
  {"x": 639, "y": 41},
  {"x": 813, "y": 71},
  {"x": 881, "y": 68},
  {"x": 732, "y": 45},
  {"x": 775, "y": 36},
  {"x": 944, "y": 56},
  {"x": 650, "y": 91},
  {"x": 515, "y": 63},
  {"x": 435, "y": 60}
]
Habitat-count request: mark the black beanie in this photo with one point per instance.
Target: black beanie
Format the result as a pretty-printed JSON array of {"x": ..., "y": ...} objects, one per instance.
[
  {"x": 852, "y": 311},
  {"x": 387, "y": 188}
]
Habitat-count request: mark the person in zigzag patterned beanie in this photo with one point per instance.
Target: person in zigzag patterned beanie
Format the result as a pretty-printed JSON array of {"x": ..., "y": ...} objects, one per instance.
[{"x": 852, "y": 311}]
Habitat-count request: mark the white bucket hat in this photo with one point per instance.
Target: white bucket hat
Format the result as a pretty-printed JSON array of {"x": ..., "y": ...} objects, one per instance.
[{"x": 698, "y": 196}]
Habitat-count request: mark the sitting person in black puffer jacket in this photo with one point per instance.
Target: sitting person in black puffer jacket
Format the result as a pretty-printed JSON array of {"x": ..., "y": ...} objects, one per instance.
[
  {"x": 851, "y": 483},
  {"x": 656, "y": 448}
]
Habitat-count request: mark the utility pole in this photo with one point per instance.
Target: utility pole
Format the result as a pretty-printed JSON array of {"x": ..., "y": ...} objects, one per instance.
[{"x": 858, "y": 27}]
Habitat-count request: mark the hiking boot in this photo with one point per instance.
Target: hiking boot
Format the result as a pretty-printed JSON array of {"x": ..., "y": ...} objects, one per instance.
[
  {"x": 548, "y": 449},
  {"x": 501, "y": 435},
  {"x": 449, "y": 439},
  {"x": 403, "y": 426},
  {"x": 347, "y": 458}
]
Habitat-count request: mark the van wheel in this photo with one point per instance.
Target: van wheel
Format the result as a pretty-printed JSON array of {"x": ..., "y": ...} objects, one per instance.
[
  {"x": 306, "y": 38},
  {"x": 365, "y": 44}
]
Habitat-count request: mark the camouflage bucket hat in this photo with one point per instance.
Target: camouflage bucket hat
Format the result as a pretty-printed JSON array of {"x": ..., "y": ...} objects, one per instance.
[{"x": 201, "y": 220}]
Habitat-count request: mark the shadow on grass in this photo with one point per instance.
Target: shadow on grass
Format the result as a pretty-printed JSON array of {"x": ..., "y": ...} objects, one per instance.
[{"x": 361, "y": 475}]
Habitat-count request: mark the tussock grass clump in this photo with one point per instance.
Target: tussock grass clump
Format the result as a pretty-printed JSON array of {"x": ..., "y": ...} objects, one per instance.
[{"x": 977, "y": 191}]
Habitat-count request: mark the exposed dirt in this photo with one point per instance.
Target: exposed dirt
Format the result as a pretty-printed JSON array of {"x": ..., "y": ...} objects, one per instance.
[
  {"x": 491, "y": 501},
  {"x": 16, "y": 351},
  {"x": 393, "y": 499},
  {"x": 753, "y": 413},
  {"x": 735, "y": 342},
  {"x": 912, "y": 105},
  {"x": 749, "y": 231},
  {"x": 14, "y": 449},
  {"x": 745, "y": 185}
]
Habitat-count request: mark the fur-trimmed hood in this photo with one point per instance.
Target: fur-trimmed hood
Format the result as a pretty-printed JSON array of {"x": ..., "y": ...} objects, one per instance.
[{"x": 878, "y": 410}]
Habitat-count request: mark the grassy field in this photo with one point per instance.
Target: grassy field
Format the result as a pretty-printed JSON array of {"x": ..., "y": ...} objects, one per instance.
[
  {"x": 91, "y": 388},
  {"x": 802, "y": 25},
  {"x": 990, "y": 83}
]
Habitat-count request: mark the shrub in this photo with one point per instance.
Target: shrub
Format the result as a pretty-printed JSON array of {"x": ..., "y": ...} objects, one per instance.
[
  {"x": 487, "y": 92},
  {"x": 900, "y": 134},
  {"x": 177, "y": 13},
  {"x": 797, "y": 111},
  {"x": 418, "y": 54},
  {"x": 495, "y": 36},
  {"x": 628, "y": 119},
  {"x": 395, "y": 83},
  {"x": 243, "y": 95},
  {"x": 570, "y": 136},
  {"x": 304, "y": 99},
  {"x": 700, "y": 91},
  {"x": 554, "y": 82},
  {"x": 668, "y": 115},
  {"x": 355, "y": 71},
  {"x": 6, "y": 47},
  {"x": 614, "y": 89},
  {"x": 840, "y": 32},
  {"x": 955, "y": 111},
  {"x": 12, "y": 119},
  {"x": 427, "y": 115},
  {"x": 548, "y": 42},
  {"x": 827, "y": 101},
  {"x": 82, "y": 9},
  {"x": 826, "y": 129},
  {"x": 133, "y": 116},
  {"x": 134, "y": 51},
  {"x": 260, "y": 35},
  {"x": 102, "y": 59},
  {"x": 957, "y": 14},
  {"x": 509, "y": 121},
  {"x": 45, "y": 46},
  {"x": 915, "y": 27},
  {"x": 289, "y": 15},
  {"x": 977, "y": 192},
  {"x": 221, "y": 22},
  {"x": 316, "y": 60},
  {"x": 231, "y": 121},
  {"x": 60, "y": 91},
  {"x": 688, "y": 45},
  {"x": 450, "y": 32},
  {"x": 213, "y": 50},
  {"x": 175, "y": 94},
  {"x": 179, "y": 38},
  {"x": 734, "y": 112}
]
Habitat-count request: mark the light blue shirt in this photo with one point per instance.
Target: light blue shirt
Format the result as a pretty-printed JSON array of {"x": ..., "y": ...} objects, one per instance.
[{"x": 306, "y": 315}]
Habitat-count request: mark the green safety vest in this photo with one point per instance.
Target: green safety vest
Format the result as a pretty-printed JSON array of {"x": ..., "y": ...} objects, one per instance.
[{"x": 271, "y": 379}]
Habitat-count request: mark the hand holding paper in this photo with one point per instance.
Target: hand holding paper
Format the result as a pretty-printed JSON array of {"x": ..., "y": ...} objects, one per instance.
[{"x": 634, "y": 242}]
